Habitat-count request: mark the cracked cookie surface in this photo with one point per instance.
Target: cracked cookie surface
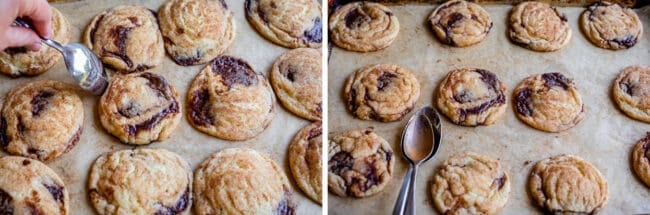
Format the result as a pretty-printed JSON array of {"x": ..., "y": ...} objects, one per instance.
[
  {"x": 460, "y": 23},
  {"x": 140, "y": 181},
  {"x": 539, "y": 26},
  {"x": 363, "y": 27},
  {"x": 296, "y": 79},
  {"x": 289, "y": 23},
  {"x": 382, "y": 92},
  {"x": 41, "y": 120},
  {"x": 641, "y": 159},
  {"x": 305, "y": 159},
  {"x": 470, "y": 183},
  {"x": 360, "y": 163},
  {"x": 631, "y": 92},
  {"x": 472, "y": 97},
  {"x": 610, "y": 26}
]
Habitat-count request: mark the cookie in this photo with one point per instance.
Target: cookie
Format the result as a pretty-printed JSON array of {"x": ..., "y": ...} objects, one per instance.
[
  {"x": 610, "y": 26},
  {"x": 289, "y": 23},
  {"x": 549, "y": 102},
  {"x": 472, "y": 97},
  {"x": 538, "y": 26},
  {"x": 41, "y": 120},
  {"x": 641, "y": 159},
  {"x": 631, "y": 91},
  {"x": 363, "y": 27},
  {"x": 566, "y": 184},
  {"x": 296, "y": 79},
  {"x": 470, "y": 183},
  {"x": 305, "y": 159},
  {"x": 30, "y": 187},
  {"x": 16, "y": 62},
  {"x": 140, "y": 181},
  {"x": 241, "y": 181},
  {"x": 126, "y": 38},
  {"x": 229, "y": 100},
  {"x": 360, "y": 163},
  {"x": 140, "y": 108},
  {"x": 460, "y": 23},
  {"x": 196, "y": 31},
  {"x": 382, "y": 92}
]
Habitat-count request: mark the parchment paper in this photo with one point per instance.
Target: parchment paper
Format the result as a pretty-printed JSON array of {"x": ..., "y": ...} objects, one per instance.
[
  {"x": 605, "y": 137},
  {"x": 192, "y": 145}
]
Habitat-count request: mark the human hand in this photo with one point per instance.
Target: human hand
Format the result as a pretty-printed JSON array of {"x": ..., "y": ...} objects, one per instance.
[{"x": 37, "y": 11}]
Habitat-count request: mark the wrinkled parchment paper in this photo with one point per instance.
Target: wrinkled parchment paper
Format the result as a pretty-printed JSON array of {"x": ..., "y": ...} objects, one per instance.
[
  {"x": 192, "y": 145},
  {"x": 605, "y": 137}
]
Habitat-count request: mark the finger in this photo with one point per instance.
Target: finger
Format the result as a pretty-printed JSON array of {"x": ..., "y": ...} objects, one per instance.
[
  {"x": 19, "y": 36},
  {"x": 39, "y": 12}
]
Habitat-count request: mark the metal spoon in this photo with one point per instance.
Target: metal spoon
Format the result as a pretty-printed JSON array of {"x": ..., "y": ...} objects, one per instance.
[
  {"x": 420, "y": 141},
  {"x": 82, "y": 64}
]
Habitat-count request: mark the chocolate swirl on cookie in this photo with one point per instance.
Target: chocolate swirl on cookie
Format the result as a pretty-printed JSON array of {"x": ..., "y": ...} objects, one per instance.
[
  {"x": 278, "y": 21},
  {"x": 460, "y": 23},
  {"x": 611, "y": 26},
  {"x": 539, "y": 26},
  {"x": 631, "y": 92},
  {"x": 363, "y": 27},
  {"x": 6, "y": 203}
]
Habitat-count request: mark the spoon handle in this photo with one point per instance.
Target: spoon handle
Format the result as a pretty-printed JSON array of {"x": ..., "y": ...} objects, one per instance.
[
  {"x": 401, "y": 205},
  {"x": 22, "y": 23}
]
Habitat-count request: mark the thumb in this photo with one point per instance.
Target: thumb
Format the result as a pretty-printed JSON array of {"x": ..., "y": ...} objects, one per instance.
[{"x": 19, "y": 37}]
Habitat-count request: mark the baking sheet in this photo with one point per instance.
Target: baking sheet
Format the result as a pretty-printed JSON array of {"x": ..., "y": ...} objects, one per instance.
[
  {"x": 605, "y": 137},
  {"x": 192, "y": 145}
]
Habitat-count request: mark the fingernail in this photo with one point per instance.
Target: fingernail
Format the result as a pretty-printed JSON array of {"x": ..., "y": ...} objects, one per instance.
[{"x": 36, "y": 46}]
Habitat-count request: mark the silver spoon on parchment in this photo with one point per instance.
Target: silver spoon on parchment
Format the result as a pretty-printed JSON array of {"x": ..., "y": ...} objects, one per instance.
[
  {"x": 82, "y": 64},
  {"x": 420, "y": 141}
]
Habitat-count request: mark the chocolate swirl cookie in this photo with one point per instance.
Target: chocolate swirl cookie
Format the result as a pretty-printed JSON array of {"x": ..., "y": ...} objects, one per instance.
[
  {"x": 360, "y": 163},
  {"x": 610, "y": 26},
  {"x": 289, "y": 23},
  {"x": 641, "y": 159},
  {"x": 566, "y": 184},
  {"x": 229, "y": 100},
  {"x": 539, "y": 26},
  {"x": 16, "y": 62},
  {"x": 140, "y": 181},
  {"x": 472, "y": 97},
  {"x": 41, "y": 120},
  {"x": 140, "y": 108},
  {"x": 363, "y": 27},
  {"x": 126, "y": 38},
  {"x": 470, "y": 183},
  {"x": 30, "y": 187},
  {"x": 242, "y": 181},
  {"x": 382, "y": 92},
  {"x": 305, "y": 159},
  {"x": 631, "y": 91},
  {"x": 460, "y": 23},
  {"x": 296, "y": 79},
  {"x": 196, "y": 31},
  {"x": 549, "y": 102}
]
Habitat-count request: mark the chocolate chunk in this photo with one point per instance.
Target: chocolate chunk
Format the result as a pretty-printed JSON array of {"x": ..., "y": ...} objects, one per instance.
[
  {"x": 341, "y": 162},
  {"x": 385, "y": 79},
  {"x": 121, "y": 35},
  {"x": 179, "y": 207},
  {"x": 314, "y": 35},
  {"x": 315, "y": 132},
  {"x": 489, "y": 78},
  {"x": 371, "y": 177},
  {"x": 291, "y": 74},
  {"x": 556, "y": 79},
  {"x": 627, "y": 42},
  {"x": 223, "y": 3},
  {"x": 200, "y": 108},
  {"x": 389, "y": 156},
  {"x": 180, "y": 30},
  {"x": 188, "y": 60},
  {"x": 500, "y": 181},
  {"x": 352, "y": 103},
  {"x": 388, "y": 13},
  {"x": 56, "y": 191},
  {"x": 134, "y": 20},
  {"x": 93, "y": 31},
  {"x": 355, "y": 18},
  {"x": 500, "y": 99},
  {"x": 234, "y": 71},
  {"x": 493, "y": 85},
  {"x": 523, "y": 103},
  {"x": 40, "y": 101},
  {"x": 151, "y": 123},
  {"x": 6, "y": 203},
  {"x": 454, "y": 18},
  {"x": 627, "y": 87},
  {"x": 286, "y": 206},
  {"x": 4, "y": 141},
  {"x": 26, "y": 162},
  {"x": 474, "y": 17},
  {"x": 16, "y": 50}
]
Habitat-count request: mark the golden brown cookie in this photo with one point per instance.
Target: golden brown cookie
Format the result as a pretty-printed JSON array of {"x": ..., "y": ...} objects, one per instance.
[
  {"x": 460, "y": 23},
  {"x": 382, "y": 92},
  {"x": 631, "y": 91},
  {"x": 363, "y": 27},
  {"x": 140, "y": 181},
  {"x": 360, "y": 163},
  {"x": 470, "y": 183},
  {"x": 17, "y": 62},
  {"x": 229, "y": 100},
  {"x": 610, "y": 26},
  {"x": 126, "y": 38},
  {"x": 140, "y": 108},
  {"x": 472, "y": 97},
  {"x": 241, "y": 181},
  {"x": 30, "y": 187},
  {"x": 289, "y": 23},
  {"x": 296, "y": 79},
  {"x": 538, "y": 26},
  {"x": 41, "y": 120},
  {"x": 641, "y": 159},
  {"x": 566, "y": 184},
  {"x": 305, "y": 159},
  {"x": 196, "y": 31},
  {"x": 549, "y": 102}
]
